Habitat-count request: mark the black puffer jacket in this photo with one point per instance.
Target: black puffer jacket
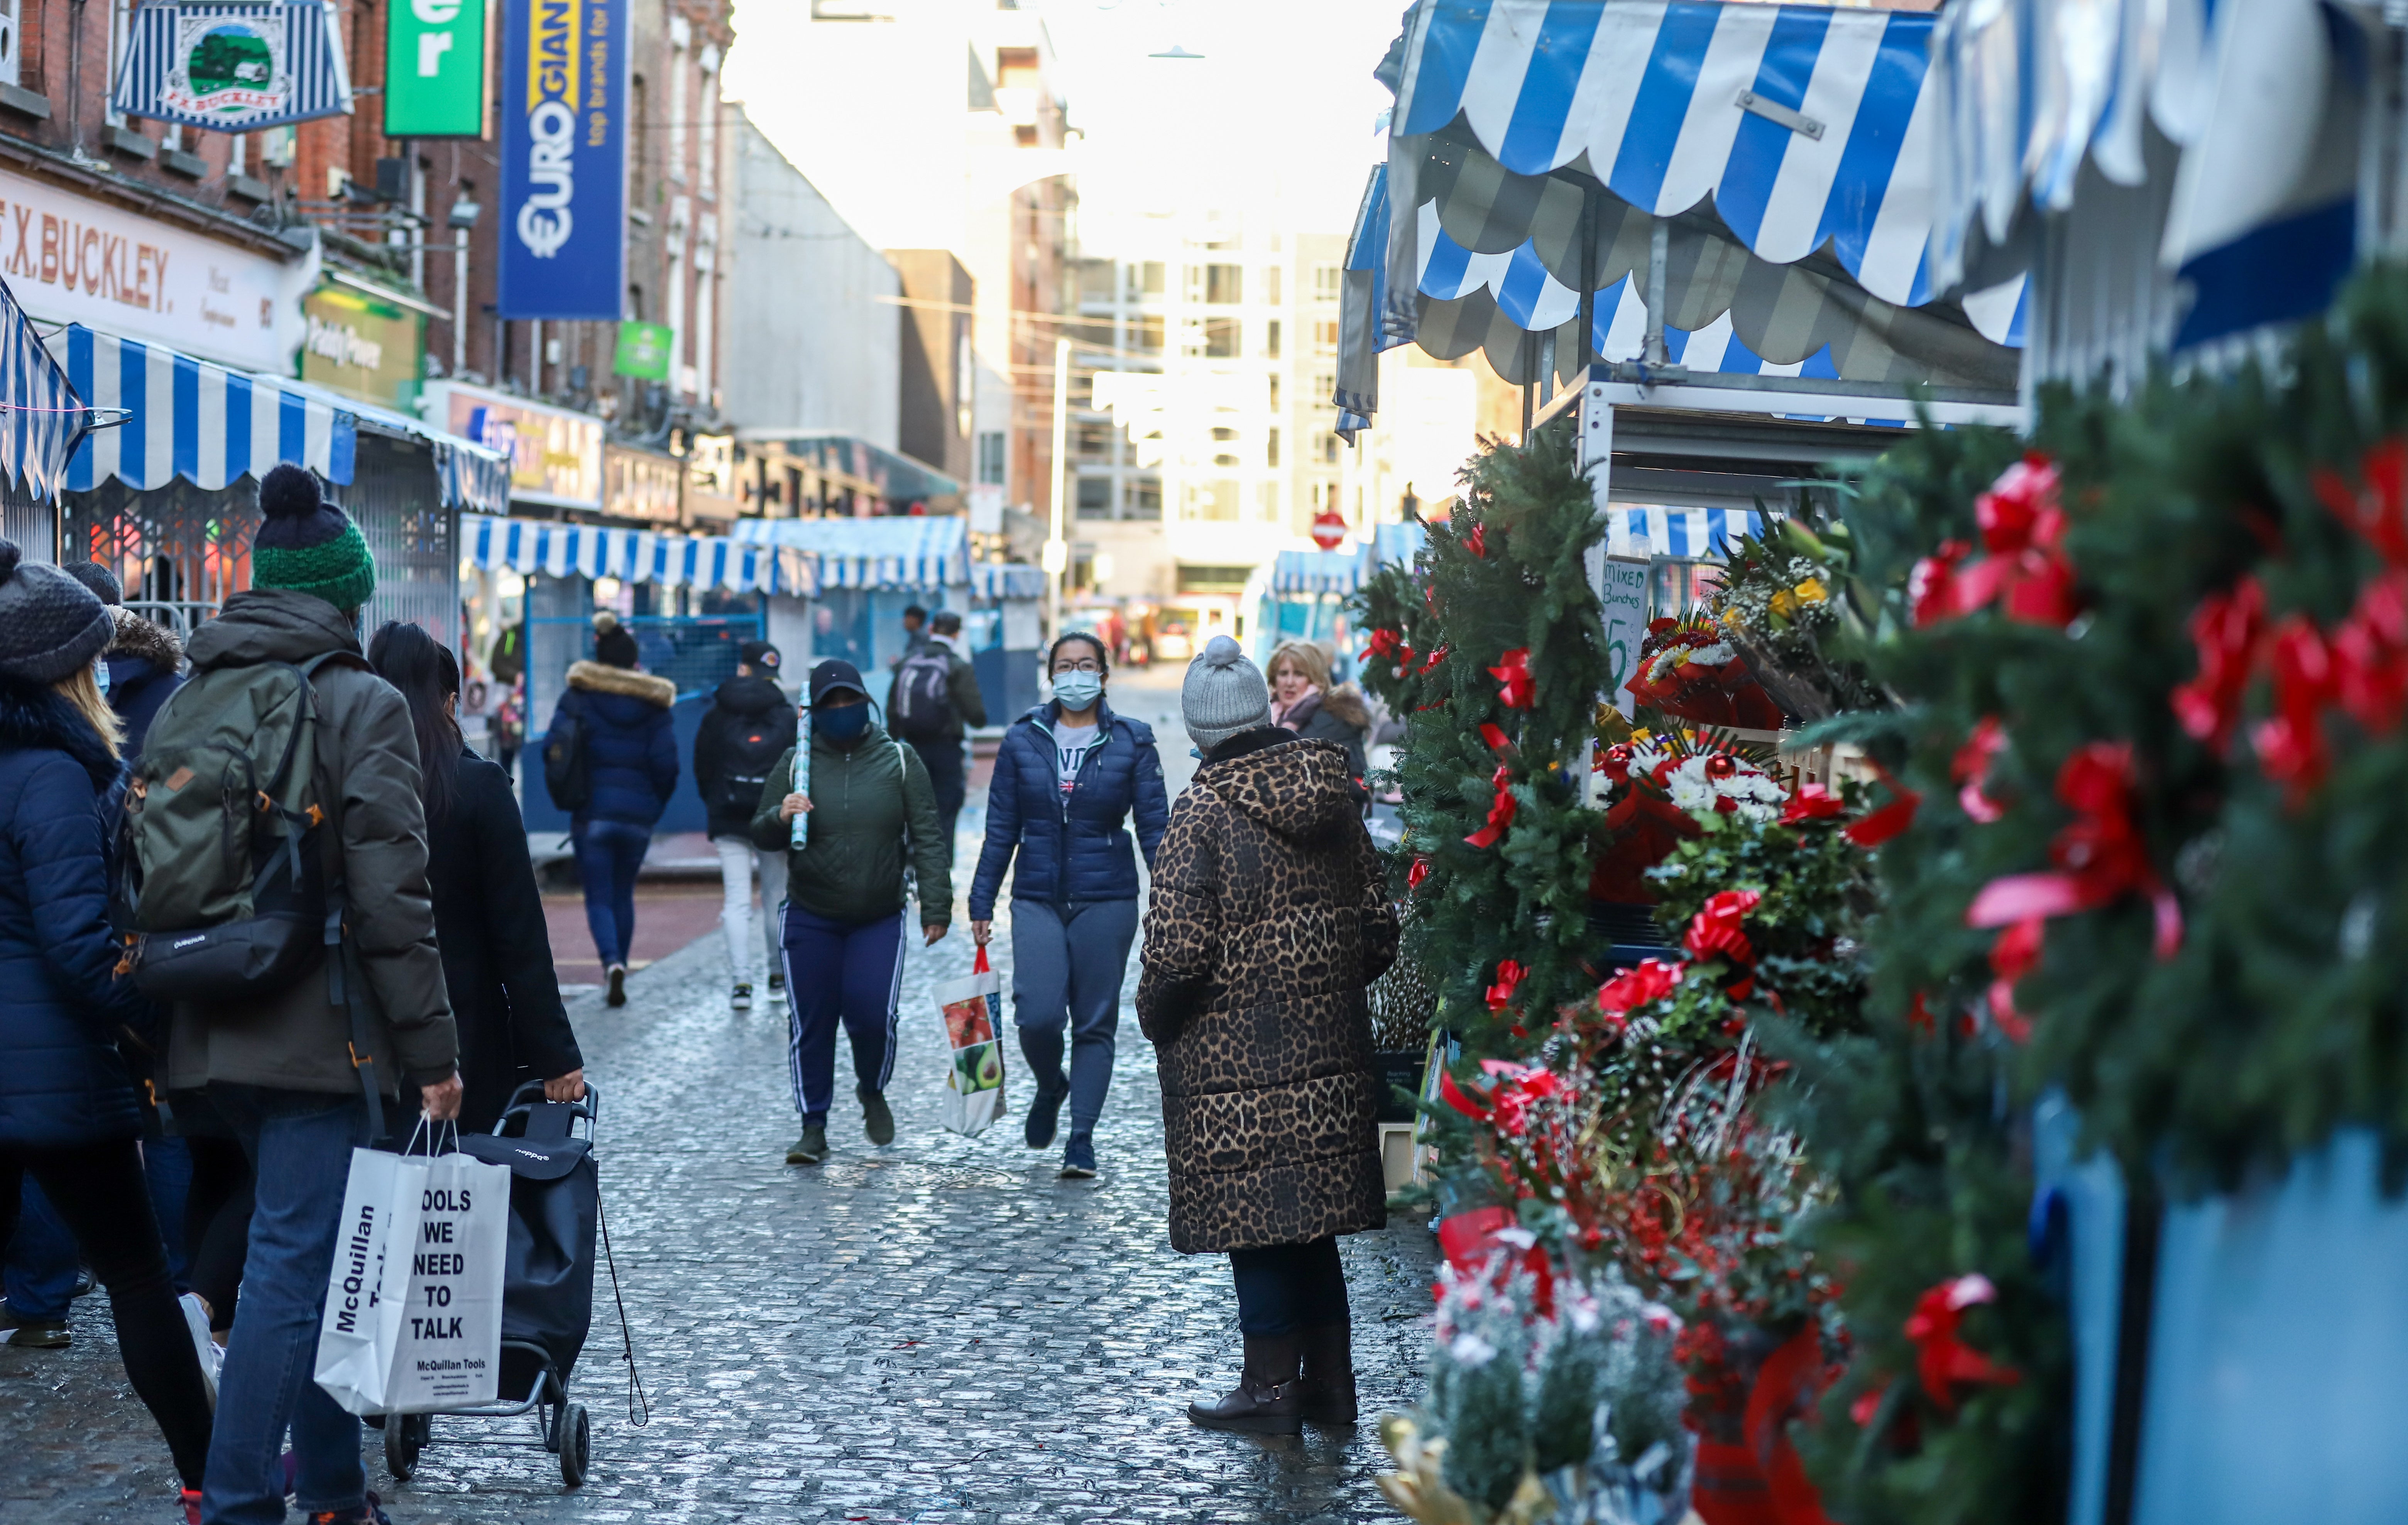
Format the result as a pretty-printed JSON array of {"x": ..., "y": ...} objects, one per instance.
[
  {"x": 747, "y": 716},
  {"x": 145, "y": 668}
]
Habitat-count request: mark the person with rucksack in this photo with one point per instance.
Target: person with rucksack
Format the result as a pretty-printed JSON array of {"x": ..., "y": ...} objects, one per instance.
[
  {"x": 852, "y": 809},
  {"x": 931, "y": 704},
  {"x": 275, "y": 879},
  {"x": 611, "y": 761},
  {"x": 749, "y": 725},
  {"x": 1070, "y": 777},
  {"x": 69, "y": 1113}
]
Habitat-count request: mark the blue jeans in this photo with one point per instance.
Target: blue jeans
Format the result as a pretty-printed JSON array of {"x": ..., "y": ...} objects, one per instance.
[
  {"x": 300, "y": 1142},
  {"x": 609, "y": 852},
  {"x": 840, "y": 973},
  {"x": 41, "y": 1268},
  {"x": 1066, "y": 974}
]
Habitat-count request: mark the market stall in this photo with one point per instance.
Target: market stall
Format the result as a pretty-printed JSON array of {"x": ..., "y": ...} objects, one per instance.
[{"x": 44, "y": 419}]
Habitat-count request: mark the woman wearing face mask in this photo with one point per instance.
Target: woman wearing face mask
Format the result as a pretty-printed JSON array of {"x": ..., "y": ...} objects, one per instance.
[
  {"x": 865, "y": 802},
  {"x": 1070, "y": 777}
]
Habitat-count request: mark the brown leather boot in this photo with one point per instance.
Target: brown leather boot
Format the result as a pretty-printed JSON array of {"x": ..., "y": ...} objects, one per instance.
[
  {"x": 1264, "y": 1402},
  {"x": 1325, "y": 1389}
]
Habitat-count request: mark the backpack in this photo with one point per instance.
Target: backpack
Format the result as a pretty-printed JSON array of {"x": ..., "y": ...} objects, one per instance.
[
  {"x": 751, "y": 750},
  {"x": 567, "y": 773},
  {"x": 923, "y": 696},
  {"x": 225, "y": 881}
]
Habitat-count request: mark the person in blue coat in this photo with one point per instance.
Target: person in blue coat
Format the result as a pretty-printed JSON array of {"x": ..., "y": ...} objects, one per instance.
[
  {"x": 622, "y": 722},
  {"x": 1071, "y": 777},
  {"x": 68, "y": 1115}
]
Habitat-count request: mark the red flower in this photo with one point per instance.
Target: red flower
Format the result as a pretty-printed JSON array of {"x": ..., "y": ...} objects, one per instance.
[
  {"x": 1812, "y": 802},
  {"x": 2376, "y": 508},
  {"x": 1971, "y": 768},
  {"x": 1500, "y": 810},
  {"x": 1931, "y": 586},
  {"x": 1509, "y": 975},
  {"x": 1414, "y": 875},
  {"x": 1715, "y": 931},
  {"x": 1513, "y": 670},
  {"x": 1943, "y": 1362},
  {"x": 1651, "y": 981},
  {"x": 1477, "y": 540},
  {"x": 2225, "y": 630}
]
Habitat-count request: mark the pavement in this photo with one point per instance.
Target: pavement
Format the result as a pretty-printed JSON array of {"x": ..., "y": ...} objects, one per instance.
[{"x": 938, "y": 1331}]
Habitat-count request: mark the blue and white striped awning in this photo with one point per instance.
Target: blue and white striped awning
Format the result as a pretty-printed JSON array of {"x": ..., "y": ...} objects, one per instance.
[
  {"x": 1341, "y": 571},
  {"x": 530, "y": 546},
  {"x": 43, "y": 413},
  {"x": 907, "y": 550},
  {"x": 1001, "y": 580},
  {"x": 194, "y": 420},
  {"x": 1682, "y": 534}
]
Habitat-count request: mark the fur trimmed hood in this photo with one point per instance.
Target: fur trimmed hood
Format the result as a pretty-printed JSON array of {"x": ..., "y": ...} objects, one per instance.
[
  {"x": 596, "y": 678},
  {"x": 138, "y": 637},
  {"x": 33, "y": 716}
]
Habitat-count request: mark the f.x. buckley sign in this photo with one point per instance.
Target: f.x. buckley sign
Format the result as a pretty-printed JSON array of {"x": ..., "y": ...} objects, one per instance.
[{"x": 563, "y": 159}]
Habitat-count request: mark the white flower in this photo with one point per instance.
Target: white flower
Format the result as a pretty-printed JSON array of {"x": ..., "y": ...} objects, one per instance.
[
  {"x": 1471, "y": 1351},
  {"x": 1753, "y": 795}
]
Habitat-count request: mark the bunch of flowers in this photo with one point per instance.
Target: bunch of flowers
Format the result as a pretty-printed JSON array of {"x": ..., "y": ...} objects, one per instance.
[
  {"x": 1661, "y": 787},
  {"x": 1688, "y": 669},
  {"x": 1781, "y": 604}
]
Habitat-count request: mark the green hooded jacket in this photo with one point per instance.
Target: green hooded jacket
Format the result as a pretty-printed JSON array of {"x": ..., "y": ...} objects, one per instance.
[{"x": 869, "y": 803}]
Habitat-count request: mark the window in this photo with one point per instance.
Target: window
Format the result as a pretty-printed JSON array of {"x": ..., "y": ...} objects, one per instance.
[
  {"x": 1328, "y": 282},
  {"x": 1216, "y": 501},
  {"x": 1220, "y": 338},
  {"x": 1272, "y": 341},
  {"x": 1275, "y": 392},
  {"x": 1143, "y": 497},
  {"x": 1324, "y": 388},
  {"x": 9, "y": 69},
  {"x": 1024, "y": 136},
  {"x": 1266, "y": 500},
  {"x": 1271, "y": 285},
  {"x": 990, "y": 457},
  {"x": 1225, "y": 285},
  {"x": 1095, "y": 497},
  {"x": 1329, "y": 444},
  {"x": 1093, "y": 442},
  {"x": 1213, "y": 578},
  {"x": 1144, "y": 335},
  {"x": 1142, "y": 280},
  {"x": 1325, "y": 335},
  {"x": 1015, "y": 68},
  {"x": 1095, "y": 281},
  {"x": 1271, "y": 448},
  {"x": 1223, "y": 433}
]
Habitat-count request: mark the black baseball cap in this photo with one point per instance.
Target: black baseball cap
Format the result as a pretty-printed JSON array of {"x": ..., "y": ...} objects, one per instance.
[
  {"x": 835, "y": 674},
  {"x": 758, "y": 653}
]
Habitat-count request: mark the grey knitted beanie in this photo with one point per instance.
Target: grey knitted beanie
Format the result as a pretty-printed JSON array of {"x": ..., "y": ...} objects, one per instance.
[
  {"x": 1223, "y": 694},
  {"x": 99, "y": 579},
  {"x": 49, "y": 623}
]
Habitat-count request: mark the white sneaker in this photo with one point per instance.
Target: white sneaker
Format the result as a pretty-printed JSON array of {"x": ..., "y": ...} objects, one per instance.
[
  {"x": 743, "y": 998},
  {"x": 196, "y": 1321}
]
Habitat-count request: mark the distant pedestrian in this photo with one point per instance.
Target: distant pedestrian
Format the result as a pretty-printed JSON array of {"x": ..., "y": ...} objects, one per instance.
[
  {"x": 616, "y": 722},
  {"x": 1268, "y": 917},
  {"x": 916, "y": 634},
  {"x": 488, "y": 923},
  {"x": 749, "y": 725},
  {"x": 281, "y": 1066},
  {"x": 68, "y": 1113},
  {"x": 869, "y": 809},
  {"x": 1071, "y": 777},
  {"x": 931, "y": 704},
  {"x": 1305, "y": 701}
]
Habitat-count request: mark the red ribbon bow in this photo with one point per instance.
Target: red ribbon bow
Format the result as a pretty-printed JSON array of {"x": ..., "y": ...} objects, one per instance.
[
  {"x": 2026, "y": 570},
  {"x": 1513, "y": 670},
  {"x": 2225, "y": 630},
  {"x": 1715, "y": 931},
  {"x": 1931, "y": 586},
  {"x": 1414, "y": 875},
  {"x": 1476, "y": 541},
  {"x": 2099, "y": 856},
  {"x": 1971, "y": 768},
  {"x": 1878, "y": 827},
  {"x": 1500, "y": 810},
  {"x": 2014, "y": 955},
  {"x": 1509, "y": 975},
  {"x": 1942, "y": 1361},
  {"x": 2375, "y": 508},
  {"x": 1493, "y": 735},
  {"x": 1812, "y": 802},
  {"x": 1651, "y": 981}
]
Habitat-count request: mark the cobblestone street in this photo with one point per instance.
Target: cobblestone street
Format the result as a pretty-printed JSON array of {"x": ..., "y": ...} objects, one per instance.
[{"x": 937, "y": 1331}]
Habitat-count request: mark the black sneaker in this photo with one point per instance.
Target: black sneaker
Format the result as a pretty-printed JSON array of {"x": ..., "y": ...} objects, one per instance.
[
  {"x": 34, "y": 1333},
  {"x": 777, "y": 979},
  {"x": 618, "y": 995},
  {"x": 743, "y": 998},
  {"x": 1079, "y": 1159},
  {"x": 810, "y": 1148},
  {"x": 1044, "y": 1118},
  {"x": 875, "y": 1118}
]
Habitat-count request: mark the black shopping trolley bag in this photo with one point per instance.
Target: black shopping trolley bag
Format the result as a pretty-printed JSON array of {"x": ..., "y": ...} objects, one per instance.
[{"x": 548, "y": 1279}]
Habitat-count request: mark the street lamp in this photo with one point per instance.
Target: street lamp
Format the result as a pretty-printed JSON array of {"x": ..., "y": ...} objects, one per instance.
[{"x": 463, "y": 218}]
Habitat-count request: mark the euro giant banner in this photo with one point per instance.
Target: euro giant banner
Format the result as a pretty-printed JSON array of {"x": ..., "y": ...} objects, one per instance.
[{"x": 564, "y": 136}]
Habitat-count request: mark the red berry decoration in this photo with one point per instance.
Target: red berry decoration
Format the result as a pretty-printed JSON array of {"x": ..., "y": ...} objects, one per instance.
[{"x": 1720, "y": 766}]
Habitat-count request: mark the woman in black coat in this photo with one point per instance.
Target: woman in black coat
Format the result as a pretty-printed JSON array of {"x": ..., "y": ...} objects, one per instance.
[{"x": 489, "y": 920}]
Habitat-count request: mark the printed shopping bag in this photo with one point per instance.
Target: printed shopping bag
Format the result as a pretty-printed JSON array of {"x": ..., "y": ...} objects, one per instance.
[
  {"x": 413, "y": 1316},
  {"x": 974, "y": 1079}
]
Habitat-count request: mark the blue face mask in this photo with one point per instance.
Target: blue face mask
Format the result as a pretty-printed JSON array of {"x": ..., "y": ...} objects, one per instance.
[
  {"x": 842, "y": 726},
  {"x": 1077, "y": 690},
  {"x": 100, "y": 675}
]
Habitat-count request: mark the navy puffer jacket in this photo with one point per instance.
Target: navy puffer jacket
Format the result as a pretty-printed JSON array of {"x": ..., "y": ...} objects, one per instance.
[
  {"x": 1075, "y": 849},
  {"x": 63, "y": 1083},
  {"x": 631, "y": 759}
]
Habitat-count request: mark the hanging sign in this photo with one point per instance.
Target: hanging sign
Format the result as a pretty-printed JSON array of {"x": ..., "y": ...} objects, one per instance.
[
  {"x": 1623, "y": 593},
  {"x": 643, "y": 351},
  {"x": 231, "y": 68},
  {"x": 563, "y": 159},
  {"x": 435, "y": 68}
]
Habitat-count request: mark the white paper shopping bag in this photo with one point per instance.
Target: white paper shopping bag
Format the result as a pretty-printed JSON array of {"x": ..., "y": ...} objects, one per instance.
[
  {"x": 974, "y": 1077},
  {"x": 413, "y": 1314}
]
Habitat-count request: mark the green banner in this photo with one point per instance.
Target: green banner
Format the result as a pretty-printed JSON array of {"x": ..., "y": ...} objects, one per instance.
[
  {"x": 435, "y": 68},
  {"x": 644, "y": 350}
]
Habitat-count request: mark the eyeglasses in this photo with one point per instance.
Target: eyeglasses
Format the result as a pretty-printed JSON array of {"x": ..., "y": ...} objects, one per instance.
[{"x": 1086, "y": 665}]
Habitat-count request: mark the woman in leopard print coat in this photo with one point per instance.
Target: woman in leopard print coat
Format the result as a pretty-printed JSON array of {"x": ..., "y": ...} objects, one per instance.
[{"x": 1268, "y": 917}]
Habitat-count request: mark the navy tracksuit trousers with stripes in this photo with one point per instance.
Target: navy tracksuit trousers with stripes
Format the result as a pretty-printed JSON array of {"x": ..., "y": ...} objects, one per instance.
[{"x": 844, "y": 972}]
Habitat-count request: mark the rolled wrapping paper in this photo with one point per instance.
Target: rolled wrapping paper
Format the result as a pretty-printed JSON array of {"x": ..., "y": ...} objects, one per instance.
[{"x": 799, "y": 833}]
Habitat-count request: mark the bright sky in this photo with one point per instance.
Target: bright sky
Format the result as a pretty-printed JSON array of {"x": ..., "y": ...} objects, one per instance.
[{"x": 1278, "y": 118}]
